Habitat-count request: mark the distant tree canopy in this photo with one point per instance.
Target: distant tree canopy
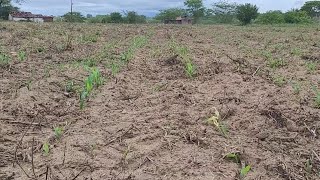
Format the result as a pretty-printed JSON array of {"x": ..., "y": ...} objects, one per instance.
[
  {"x": 312, "y": 8},
  {"x": 171, "y": 13},
  {"x": 73, "y": 17},
  {"x": 130, "y": 17},
  {"x": 6, "y": 7},
  {"x": 134, "y": 18},
  {"x": 195, "y": 8},
  {"x": 116, "y": 17},
  {"x": 246, "y": 13},
  {"x": 224, "y": 12}
]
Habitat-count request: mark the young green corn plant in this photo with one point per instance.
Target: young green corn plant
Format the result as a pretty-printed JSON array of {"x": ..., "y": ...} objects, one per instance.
[
  {"x": 216, "y": 121},
  {"x": 190, "y": 69},
  {"x": 58, "y": 132},
  {"x": 96, "y": 77},
  {"x": 46, "y": 148},
  {"x": 114, "y": 68},
  {"x": 4, "y": 60},
  {"x": 296, "y": 87},
  {"x": 311, "y": 67},
  {"x": 93, "y": 80},
  {"x": 83, "y": 98},
  {"x": 317, "y": 97},
  {"x": 244, "y": 171},
  {"x": 22, "y": 55},
  {"x": 279, "y": 80}
]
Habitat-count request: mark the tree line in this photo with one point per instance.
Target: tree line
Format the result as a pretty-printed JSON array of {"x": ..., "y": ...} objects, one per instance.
[
  {"x": 225, "y": 12},
  {"x": 219, "y": 12}
]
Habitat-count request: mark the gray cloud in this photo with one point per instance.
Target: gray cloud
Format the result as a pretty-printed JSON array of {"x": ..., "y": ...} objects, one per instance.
[{"x": 146, "y": 7}]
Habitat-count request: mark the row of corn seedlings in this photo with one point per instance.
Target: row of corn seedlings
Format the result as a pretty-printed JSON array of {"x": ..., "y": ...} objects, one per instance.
[{"x": 183, "y": 52}]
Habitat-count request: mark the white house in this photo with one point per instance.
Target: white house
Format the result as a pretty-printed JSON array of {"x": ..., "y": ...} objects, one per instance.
[{"x": 28, "y": 16}]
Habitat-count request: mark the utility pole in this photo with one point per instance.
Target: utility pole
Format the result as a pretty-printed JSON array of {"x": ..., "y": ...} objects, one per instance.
[{"x": 71, "y": 7}]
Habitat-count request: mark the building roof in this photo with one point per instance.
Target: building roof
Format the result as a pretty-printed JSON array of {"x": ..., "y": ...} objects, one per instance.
[{"x": 28, "y": 15}]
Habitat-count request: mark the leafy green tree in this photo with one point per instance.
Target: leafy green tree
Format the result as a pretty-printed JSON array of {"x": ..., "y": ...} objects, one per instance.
[
  {"x": 132, "y": 18},
  {"x": 224, "y": 11},
  {"x": 271, "y": 17},
  {"x": 73, "y": 17},
  {"x": 312, "y": 8},
  {"x": 116, "y": 17},
  {"x": 171, "y": 13},
  {"x": 297, "y": 17},
  {"x": 195, "y": 8},
  {"x": 246, "y": 13},
  {"x": 6, "y": 7},
  {"x": 100, "y": 19}
]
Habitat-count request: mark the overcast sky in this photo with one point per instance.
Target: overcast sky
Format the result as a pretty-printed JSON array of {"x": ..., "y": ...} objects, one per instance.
[{"x": 146, "y": 7}]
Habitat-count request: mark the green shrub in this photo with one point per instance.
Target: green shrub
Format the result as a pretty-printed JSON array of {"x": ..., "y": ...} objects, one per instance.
[
  {"x": 271, "y": 17},
  {"x": 246, "y": 13},
  {"x": 297, "y": 17}
]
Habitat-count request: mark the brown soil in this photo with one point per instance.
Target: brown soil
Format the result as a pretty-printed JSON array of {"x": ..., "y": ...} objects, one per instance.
[{"x": 149, "y": 120}]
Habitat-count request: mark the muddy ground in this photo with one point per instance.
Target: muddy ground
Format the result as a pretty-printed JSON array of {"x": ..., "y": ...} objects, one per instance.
[{"x": 149, "y": 119}]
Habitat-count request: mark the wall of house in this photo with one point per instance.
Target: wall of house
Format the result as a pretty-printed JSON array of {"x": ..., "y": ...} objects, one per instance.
[
  {"x": 10, "y": 17},
  {"x": 40, "y": 20}
]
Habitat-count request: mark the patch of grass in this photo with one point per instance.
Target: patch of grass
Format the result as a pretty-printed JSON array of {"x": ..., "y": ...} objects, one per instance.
[
  {"x": 311, "y": 67},
  {"x": 279, "y": 80},
  {"x": 216, "y": 121},
  {"x": 4, "y": 60},
  {"x": 90, "y": 38},
  {"x": 22, "y": 55},
  {"x": 296, "y": 51},
  {"x": 276, "y": 63}
]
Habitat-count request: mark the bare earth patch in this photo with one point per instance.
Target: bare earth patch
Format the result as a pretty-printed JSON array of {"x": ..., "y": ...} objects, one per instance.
[{"x": 149, "y": 119}]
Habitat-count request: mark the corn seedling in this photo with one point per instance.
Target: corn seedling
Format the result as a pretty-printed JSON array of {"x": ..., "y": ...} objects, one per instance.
[
  {"x": 311, "y": 67},
  {"x": 244, "y": 171},
  {"x": 190, "y": 69},
  {"x": 127, "y": 55},
  {"x": 216, "y": 121},
  {"x": 183, "y": 52},
  {"x": 58, "y": 131},
  {"x": 4, "y": 60},
  {"x": 93, "y": 80},
  {"x": 22, "y": 55},
  {"x": 267, "y": 55},
  {"x": 317, "y": 97},
  {"x": 114, "y": 68},
  {"x": 46, "y": 148},
  {"x": 234, "y": 157},
  {"x": 83, "y": 97},
  {"x": 296, "y": 52},
  {"x": 296, "y": 88},
  {"x": 279, "y": 80}
]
